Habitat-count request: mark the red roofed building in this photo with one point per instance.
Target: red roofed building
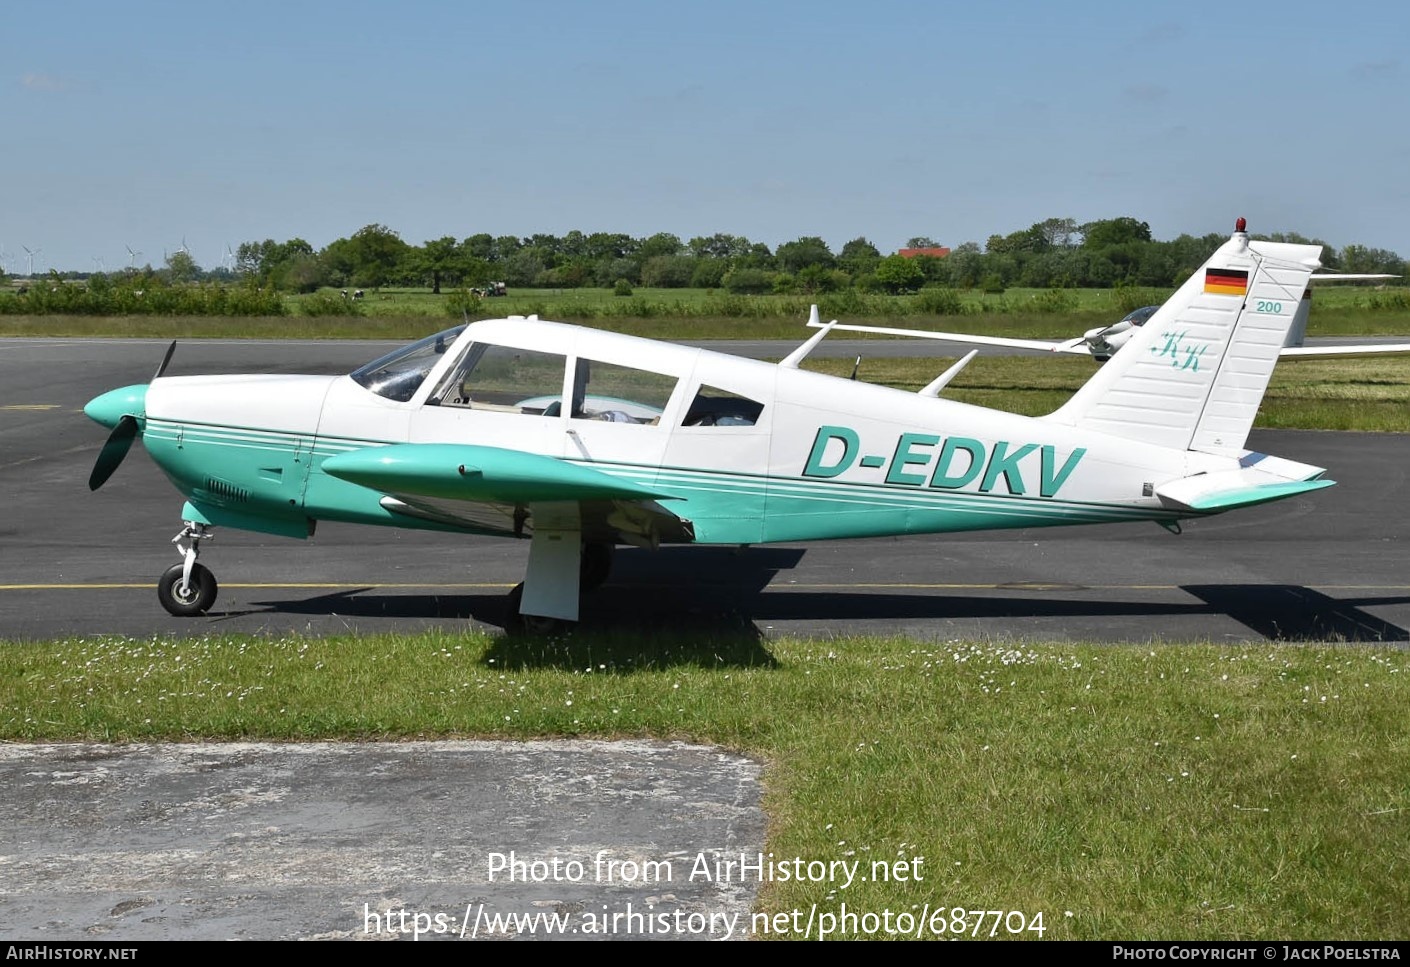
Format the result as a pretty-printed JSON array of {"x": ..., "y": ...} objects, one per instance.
[{"x": 939, "y": 252}]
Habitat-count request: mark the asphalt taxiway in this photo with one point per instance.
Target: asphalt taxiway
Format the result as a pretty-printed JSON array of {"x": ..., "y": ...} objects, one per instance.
[{"x": 1330, "y": 565}]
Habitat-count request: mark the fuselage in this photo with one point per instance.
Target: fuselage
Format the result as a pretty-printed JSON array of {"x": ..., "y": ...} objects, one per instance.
[{"x": 744, "y": 451}]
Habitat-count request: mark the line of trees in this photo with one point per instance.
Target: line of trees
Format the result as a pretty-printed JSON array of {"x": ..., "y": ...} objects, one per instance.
[
  {"x": 139, "y": 292},
  {"x": 1055, "y": 253}
]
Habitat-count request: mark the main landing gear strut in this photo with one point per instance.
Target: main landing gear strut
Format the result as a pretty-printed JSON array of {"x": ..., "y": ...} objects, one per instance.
[
  {"x": 188, "y": 588},
  {"x": 594, "y": 566}
]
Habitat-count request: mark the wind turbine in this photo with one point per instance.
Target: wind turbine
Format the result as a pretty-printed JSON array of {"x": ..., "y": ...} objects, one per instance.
[
  {"x": 31, "y": 253},
  {"x": 131, "y": 257}
]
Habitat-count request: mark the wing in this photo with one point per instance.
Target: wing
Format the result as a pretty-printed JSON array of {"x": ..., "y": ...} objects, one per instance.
[
  {"x": 1365, "y": 349},
  {"x": 1038, "y": 345},
  {"x": 508, "y": 491}
]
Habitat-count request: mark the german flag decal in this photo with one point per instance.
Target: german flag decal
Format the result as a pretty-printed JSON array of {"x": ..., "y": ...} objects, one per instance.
[{"x": 1226, "y": 281}]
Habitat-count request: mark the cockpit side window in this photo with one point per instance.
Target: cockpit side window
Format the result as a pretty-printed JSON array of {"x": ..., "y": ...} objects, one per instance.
[
  {"x": 400, "y": 373},
  {"x": 504, "y": 380}
]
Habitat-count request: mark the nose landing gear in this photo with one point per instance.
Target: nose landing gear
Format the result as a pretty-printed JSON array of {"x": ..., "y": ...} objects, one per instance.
[{"x": 188, "y": 589}]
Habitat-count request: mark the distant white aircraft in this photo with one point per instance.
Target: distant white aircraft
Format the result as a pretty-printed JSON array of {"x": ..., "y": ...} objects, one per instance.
[{"x": 1102, "y": 342}]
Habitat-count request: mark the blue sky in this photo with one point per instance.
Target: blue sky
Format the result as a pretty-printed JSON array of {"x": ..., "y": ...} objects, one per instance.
[{"x": 139, "y": 123}]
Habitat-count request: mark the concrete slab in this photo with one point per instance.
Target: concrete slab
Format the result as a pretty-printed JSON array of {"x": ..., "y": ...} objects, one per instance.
[{"x": 374, "y": 841}]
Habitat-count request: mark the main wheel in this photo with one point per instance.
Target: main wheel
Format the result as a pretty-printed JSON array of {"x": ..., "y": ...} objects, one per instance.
[
  {"x": 595, "y": 565},
  {"x": 196, "y": 598},
  {"x": 518, "y": 623}
]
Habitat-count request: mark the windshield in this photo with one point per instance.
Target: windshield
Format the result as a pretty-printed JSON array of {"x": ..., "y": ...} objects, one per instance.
[
  {"x": 1139, "y": 317},
  {"x": 400, "y": 373}
]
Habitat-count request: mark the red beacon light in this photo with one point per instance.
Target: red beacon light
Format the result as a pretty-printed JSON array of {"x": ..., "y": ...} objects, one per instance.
[{"x": 1240, "y": 225}]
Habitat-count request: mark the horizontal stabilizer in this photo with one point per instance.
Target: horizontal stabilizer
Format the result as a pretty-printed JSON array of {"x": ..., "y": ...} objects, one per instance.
[
  {"x": 465, "y": 472},
  {"x": 1213, "y": 492}
]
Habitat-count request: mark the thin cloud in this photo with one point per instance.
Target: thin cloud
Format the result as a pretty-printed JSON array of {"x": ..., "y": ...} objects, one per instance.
[
  {"x": 1161, "y": 33},
  {"x": 1375, "y": 69},
  {"x": 43, "y": 82},
  {"x": 1146, "y": 93}
]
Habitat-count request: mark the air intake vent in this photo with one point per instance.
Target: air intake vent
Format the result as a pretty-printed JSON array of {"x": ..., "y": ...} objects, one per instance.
[{"x": 228, "y": 491}]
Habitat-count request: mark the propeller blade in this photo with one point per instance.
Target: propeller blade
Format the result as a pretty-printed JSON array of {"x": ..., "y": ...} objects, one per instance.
[
  {"x": 165, "y": 359},
  {"x": 119, "y": 442},
  {"x": 1080, "y": 342}
]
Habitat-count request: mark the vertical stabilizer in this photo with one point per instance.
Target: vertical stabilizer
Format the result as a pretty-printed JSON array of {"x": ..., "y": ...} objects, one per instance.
[{"x": 1193, "y": 376}]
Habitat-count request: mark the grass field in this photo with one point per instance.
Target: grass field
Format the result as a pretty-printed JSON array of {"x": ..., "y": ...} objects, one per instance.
[
  {"x": 1123, "y": 792},
  {"x": 702, "y": 314},
  {"x": 590, "y": 301}
]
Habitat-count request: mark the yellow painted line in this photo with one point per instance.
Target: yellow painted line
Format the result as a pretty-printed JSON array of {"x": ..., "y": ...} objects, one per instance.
[
  {"x": 375, "y": 585},
  {"x": 1058, "y": 586},
  {"x": 47, "y": 456},
  {"x": 30, "y": 406},
  {"x": 371, "y": 585}
]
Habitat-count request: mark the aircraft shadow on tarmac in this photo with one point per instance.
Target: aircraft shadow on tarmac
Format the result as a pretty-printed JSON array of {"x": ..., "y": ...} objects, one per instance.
[
  {"x": 1289, "y": 612},
  {"x": 726, "y": 594},
  {"x": 731, "y": 611},
  {"x": 1277, "y": 612}
]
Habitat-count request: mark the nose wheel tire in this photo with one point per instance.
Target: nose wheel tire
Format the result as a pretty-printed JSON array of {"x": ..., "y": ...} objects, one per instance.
[{"x": 193, "y": 599}]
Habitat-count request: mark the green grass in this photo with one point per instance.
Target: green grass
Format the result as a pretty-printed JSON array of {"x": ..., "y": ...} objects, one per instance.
[
  {"x": 707, "y": 314},
  {"x": 1169, "y": 792},
  {"x": 420, "y": 301}
]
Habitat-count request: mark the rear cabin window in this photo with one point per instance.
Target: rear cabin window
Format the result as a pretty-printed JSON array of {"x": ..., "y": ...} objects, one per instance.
[{"x": 719, "y": 407}]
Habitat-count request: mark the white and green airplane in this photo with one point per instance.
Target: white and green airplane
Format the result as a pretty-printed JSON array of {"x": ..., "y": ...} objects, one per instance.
[{"x": 579, "y": 440}]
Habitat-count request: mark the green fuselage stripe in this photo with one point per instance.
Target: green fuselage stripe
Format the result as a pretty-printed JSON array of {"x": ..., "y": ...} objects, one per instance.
[{"x": 724, "y": 506}]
